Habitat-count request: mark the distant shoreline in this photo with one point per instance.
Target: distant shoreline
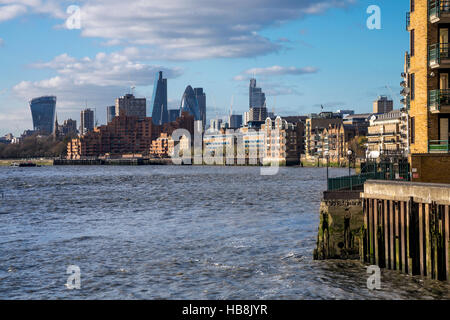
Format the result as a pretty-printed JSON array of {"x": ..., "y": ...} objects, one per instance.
[{"x": 41, "y": 162}]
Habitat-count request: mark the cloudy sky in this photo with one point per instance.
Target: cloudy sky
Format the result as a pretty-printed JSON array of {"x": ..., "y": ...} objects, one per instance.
[{"x": 304, "y": 53}]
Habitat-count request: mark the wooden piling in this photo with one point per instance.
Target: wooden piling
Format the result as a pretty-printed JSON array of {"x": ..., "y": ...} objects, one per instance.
[
  {"x": 386, "y": 234},
  {"x": 446, "y": 241},
  {"x": 428, "y": 240},
  {"x": 421, "y": 240},
  {"x": 391, "y": 235},
  {"x": 397, "y": 235},
  {"x": 375, "y": 231},
  {"x": 402, "y": 236}
]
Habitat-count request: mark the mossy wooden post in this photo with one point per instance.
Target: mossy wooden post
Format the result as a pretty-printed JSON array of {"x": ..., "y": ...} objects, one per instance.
[
  {"x": 409, "y": 266},
  {"x": 421, "y": 240},
  {"x": 365, "y": 242},
  {"x": 402, "y": 236},
  {"x": 436, "y": 236},
  {"x": 447, "y": 241},
  {"x": 391, "y": 234},
  {"x": 397, "y": 236},
  {"x": 375, "y": 231},
  {"x": 428, "y": 240},
  {"x": 386, "y": 234},
  {"x": 370, "y": 231}
]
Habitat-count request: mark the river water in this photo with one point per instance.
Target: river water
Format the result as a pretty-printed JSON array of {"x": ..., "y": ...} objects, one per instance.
[{"x": 163, "y": 232}]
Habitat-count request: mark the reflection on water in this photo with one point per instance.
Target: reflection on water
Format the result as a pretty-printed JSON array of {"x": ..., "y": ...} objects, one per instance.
[{"x": 176, "y": 233}]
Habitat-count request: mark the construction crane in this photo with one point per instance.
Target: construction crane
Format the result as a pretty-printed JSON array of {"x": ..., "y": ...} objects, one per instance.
[
  {"x": 392, "y": 93},
  {"x": 231, "y": 107}
]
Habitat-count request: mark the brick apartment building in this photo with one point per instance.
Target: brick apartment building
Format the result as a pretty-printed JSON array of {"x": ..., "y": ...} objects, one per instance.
[
  {"x": 124, "y": 135},
  {"x": 427, "y": 90}
]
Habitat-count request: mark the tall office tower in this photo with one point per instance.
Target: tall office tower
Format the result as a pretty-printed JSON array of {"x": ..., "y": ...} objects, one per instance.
[
  {"x": 201, "y": 99},
  {"x": 160, "y": 114},
  {"x": 131, "y": 106},
  {"x": 235, "y": 121},
  {"x": 258, "y": 114},
  {"x": 383, "y": 105},
  {"x": 43, "y": 111},
  {"x": 69, "y": 127},
  {"x": 189, "y": 104},
  {"x": 87, "y": 121},
  {"x": 110, "y": 113},
  {"x": 258, "y": 109},
  {"x": 174, "y": 114},
  {"x": 257, "y": 97}
]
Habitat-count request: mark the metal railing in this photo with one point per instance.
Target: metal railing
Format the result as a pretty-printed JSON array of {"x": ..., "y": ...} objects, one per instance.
[
  {"x": 439, "y": 146},
  {"x": 371, "y": 171},
  {"x": 437, "y": 52},
  {"x": 436, "y": 7},
  {"x": 437, "y": 98}
]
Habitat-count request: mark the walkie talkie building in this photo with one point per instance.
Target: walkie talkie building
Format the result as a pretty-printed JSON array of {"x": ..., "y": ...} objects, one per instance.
[{"x": 43, "y": 111}]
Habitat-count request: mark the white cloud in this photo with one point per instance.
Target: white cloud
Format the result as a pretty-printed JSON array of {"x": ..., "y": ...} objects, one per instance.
[
  {"x": 275, "y": 71},
  {"x": 99, "y": 79},
  {"x": 9, "y": 12},
  {"x": 180, "y": 29}
]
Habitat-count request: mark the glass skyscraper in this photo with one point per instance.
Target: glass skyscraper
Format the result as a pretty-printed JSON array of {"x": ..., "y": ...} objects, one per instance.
[
  {"x": 189, "y": 104},
  {"x": 43, "y": 111},
  {"x": 201, "y": 99},
  {"x": 160, "y": 114},
  {"x": 257, "y": 97},
  {"x": 174, "y": 114},
  {"x": 110, "y": 113}
]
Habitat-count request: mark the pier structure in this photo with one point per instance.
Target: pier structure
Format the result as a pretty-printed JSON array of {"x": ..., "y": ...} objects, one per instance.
[{"x": 407, "y": 227}]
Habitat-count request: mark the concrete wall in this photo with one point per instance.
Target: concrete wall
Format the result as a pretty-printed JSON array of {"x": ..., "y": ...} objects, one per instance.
[{"x": 341, "y": 221}]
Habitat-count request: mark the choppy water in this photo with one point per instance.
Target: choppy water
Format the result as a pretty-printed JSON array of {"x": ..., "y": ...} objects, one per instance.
[{"x": 175, "y": 233}]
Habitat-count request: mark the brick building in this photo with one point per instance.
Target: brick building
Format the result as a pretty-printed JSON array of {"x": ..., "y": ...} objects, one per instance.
[
  {"x": 336, "y": 140},
  {"x": 427, "y": 90},
  {"x": 124, "y": 135}
]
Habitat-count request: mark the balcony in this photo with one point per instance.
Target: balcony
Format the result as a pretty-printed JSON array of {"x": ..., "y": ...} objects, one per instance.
[
  {"x": 439, "y": 11},
  {"x": 439, "y": 146},
  {"x": 438, "y": 55},
  {"x": 408, "y": 20},
  {"x": 439, "y": 101}
]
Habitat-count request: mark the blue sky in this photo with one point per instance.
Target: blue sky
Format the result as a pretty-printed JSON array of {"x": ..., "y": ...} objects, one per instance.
[{"x": 304, "y": 53}]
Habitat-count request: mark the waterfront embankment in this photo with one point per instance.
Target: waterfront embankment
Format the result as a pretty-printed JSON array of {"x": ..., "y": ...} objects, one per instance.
[{"x": 40, "y": 162}]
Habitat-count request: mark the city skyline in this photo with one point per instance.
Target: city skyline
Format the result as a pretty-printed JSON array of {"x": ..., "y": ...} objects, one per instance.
[{"x": 81, "y": 66}]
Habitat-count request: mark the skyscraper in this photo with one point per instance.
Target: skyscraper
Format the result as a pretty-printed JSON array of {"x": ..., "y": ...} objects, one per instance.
[
  {"x": 383, "y": 105},
  {"x": 110, "y": 113},
  {"x": 43, "y": 111},
  {"x": 174, "y": 114},
  {"x": 258, "y": 110},
  {"x": 189, "y": 104},
  {"x": 87, "y": 121},
  {"x": 257, "y": 97},
  {"x": 160, "y": 114},
  {"x": 131, "y": 106},
  {"x": 235, "y": 121},
  {"x": 201, "y": 99}
]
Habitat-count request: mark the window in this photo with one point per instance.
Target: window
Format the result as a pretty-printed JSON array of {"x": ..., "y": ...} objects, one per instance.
[
  {"x": 413, "y": 130},
  {"x": 413, "y": 86},
  {"x": 412, "y": 35},
  {"x": 412, "y": 5}
]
